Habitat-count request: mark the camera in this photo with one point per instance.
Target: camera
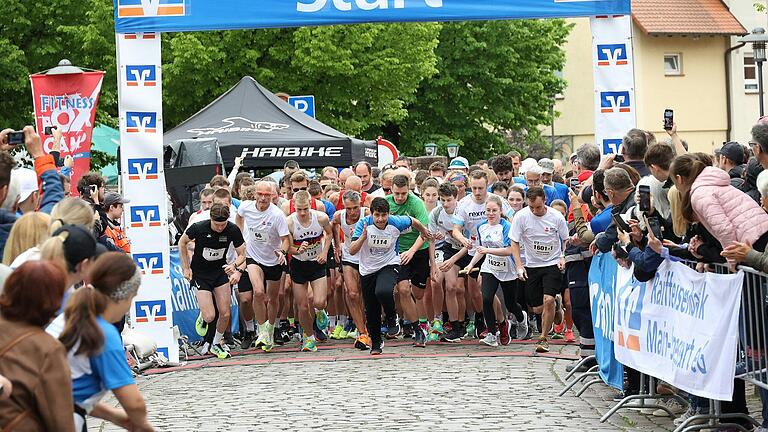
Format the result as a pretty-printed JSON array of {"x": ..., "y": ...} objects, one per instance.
[{"x": 16, "y": 138}]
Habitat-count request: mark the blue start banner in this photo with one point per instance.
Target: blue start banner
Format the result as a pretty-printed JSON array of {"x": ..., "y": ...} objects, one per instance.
[
  {"x": 185, "y": 308},
  {"x": 137, "y": 16},
  {"x": 602, "y": 283}
]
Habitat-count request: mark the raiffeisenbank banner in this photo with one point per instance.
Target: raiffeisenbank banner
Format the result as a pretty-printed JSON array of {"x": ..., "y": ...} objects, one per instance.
[{"x": 194, "y": 15}]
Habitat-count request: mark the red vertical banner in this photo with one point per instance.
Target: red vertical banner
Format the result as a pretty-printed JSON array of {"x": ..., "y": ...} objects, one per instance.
[{"x": 69, "y": 103}]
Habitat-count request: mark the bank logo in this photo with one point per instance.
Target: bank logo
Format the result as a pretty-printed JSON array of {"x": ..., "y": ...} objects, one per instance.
[
  {"x": 612, "y": 55},
  {"x": 145, "y": 216},
  {"x": 346, "y": 5},
  {"x": 629, "y": 310},
  {"x": 151, "y": 311},
  {"x": 142, "y": 169},
  {"x": 137, "y": 36},
  {"x": 612, "y": 145},
  {"x": 141, "y": 122},
  {"x": 614, "y": 101},
  {"x": 150, "y": 8},
  {"x": 163, "y": 351},
  {"x": 149, "y": 263},
  {"x": 141, "y": 75}
]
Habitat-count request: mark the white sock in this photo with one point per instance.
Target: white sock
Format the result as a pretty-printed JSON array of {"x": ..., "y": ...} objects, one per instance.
[
  {"x": 471, "y": 315},
  {"x": 217, "y": 337},
  {"x": 249, "y": 325},
  {"x": 342, "y": 320}
]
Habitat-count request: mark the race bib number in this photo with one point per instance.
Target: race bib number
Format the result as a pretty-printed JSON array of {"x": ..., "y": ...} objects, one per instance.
[
  {"x": 439, "y": 256},
  {"x": 499, "y": 264},
  {"x": 380, "y": 244},
  {"x": 312, "y": 252},
  {"x": 213, "y": 254},
  {"x": 543, "y": 250},
  {"x": 259, "y": 236}
]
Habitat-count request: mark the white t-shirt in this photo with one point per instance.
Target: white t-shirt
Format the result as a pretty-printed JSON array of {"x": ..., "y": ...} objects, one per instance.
[
  {"x": 264, "y": 230},
  {"x": 497, "y": 236},
  {"x": 380, "y": 249},
  {"x": 542, "y": 236},
  {"x": 470, "y": 214},
  {"x": 348, "y": 231},
  {"x": 441, "y": 221}
]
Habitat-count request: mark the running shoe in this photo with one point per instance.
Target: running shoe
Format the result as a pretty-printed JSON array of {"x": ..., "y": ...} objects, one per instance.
[
  {"x": 219, "y": 352},
  {"x": 320, "y": 335},
  {"x": 420, "y": 336},
  {"x": 555, "y": 335},
  {"x": 490, "y": 339},
  {"x": 262, "y": 339},
  {"x": 353, "y": 334},
  {"x": 393, "y": 329},
  {"x": 542, "y": 346},
  {"x": 321, "y": 319},
  {"x": 454, "y": 335},
  {"x": 229, "y": 339},
  {"x": 504, "y": 333},
  {"x": 483, "y": 333},
  {"x": 523, "y": 329},
  {"x": 308, "y": 345},
  {"x": 673, "y": 405},
  {"x": 336, "y": 334},
  {"x": 200, "y": 325},
  {"x": 343, "y": 334},
  {"x": 569, "y": 337},
  {"x": 437, "y": 326},
  {"x": 560, "y": 328},
  {"x": 470, "y": 334},
  {"x": 376, "y": 350},
  {"x": 248, "y": 339},
  {"x": 269, "y": 342},
  {"x": 433, "y": 337},
  {"x": 363, "y": 342},
  {"x": 408, "y": 331},
  {"x": 226, "y": 347},
  {"x": 277, "y": 336}
]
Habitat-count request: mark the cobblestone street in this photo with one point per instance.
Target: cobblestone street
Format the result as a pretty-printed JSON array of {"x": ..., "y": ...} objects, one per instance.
[{"x": 439, "y": 388}]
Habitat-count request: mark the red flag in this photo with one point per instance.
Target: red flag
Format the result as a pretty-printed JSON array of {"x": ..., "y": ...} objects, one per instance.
[{"x": 68, "y": 102}]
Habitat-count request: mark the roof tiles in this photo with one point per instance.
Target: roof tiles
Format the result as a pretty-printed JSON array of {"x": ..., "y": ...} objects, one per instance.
[{"x": 685, "y": 17}]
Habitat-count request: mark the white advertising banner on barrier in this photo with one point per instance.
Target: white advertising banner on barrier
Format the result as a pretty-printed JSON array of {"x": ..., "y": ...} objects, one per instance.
[
  {"x": 143, "y": 182},
  {"x": 681, "y": 327},
  {"x": 614, "y": 80}
]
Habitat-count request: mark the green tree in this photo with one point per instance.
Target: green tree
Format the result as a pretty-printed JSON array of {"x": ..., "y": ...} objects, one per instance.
[
  {"x": 361, "y": 75},
  {"x": 494, "y": 77}
]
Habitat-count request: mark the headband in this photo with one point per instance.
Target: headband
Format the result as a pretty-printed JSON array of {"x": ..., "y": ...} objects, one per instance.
[{"x": 127, "y": 288}]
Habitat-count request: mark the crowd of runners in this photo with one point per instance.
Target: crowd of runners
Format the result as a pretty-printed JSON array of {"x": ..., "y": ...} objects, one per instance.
[{"x": 445, "y": 254}]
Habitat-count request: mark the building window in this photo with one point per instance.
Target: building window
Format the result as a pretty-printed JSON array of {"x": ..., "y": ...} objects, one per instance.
[
  {"x": 673, "y": 64},
  {"x": 750, "y": 73}
]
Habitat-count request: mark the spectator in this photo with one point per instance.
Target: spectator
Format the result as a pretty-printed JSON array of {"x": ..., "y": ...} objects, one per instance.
[
  {"x": 35, "y": 362},
  {"x": 759, "y": 143},
  {"x": 731, "y": 160},
  {"x": 437, "y": 170},
  {"x": 709, "y": 198},
  {"x": 633, "y": 147},
  {"x": 750, "y": 179},
  {"x": 621, "y": 193},
  {"x": 587, "y": 158},
  {"x": 29, "y": 231},
  {"x": 22, "y": 192},
  {"x": 96, "y": 352},
  {"x": 114, "y": 233}
]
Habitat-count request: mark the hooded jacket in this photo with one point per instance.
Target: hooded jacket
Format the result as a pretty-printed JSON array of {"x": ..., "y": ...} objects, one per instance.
[{"x": 725, "y": 211}]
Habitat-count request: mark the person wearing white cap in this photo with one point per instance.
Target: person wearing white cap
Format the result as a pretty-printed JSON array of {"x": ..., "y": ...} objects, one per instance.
[
  {"x": 459, "y": 164},
  {"x": 553, "y": 190},
  {"x": 24, "y": 183}
]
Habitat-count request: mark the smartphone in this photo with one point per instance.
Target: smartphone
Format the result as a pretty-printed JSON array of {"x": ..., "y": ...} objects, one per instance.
[
  {"x": 618, "y": 158},
  {"x": 16, "y": 138},
  {"x": 653, "y": 225},
  {"x": 669, "y": 119},
  {"x": 49, "y": 129},
  {"x": 621, "y": 223},
  {"x": 573, "y": 182},
  {"x": 645, "y": 198},
  {"x": 94, "y": 189}
]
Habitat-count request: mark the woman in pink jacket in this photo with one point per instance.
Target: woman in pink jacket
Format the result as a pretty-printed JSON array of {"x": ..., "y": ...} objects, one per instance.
[{"x": 709, "y": 198}]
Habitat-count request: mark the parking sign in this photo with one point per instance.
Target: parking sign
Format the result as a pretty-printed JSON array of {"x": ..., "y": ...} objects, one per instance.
[{"x": 305, "y": 104}]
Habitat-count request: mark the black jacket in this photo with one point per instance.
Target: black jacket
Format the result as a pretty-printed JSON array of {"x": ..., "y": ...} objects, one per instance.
[{"x": 606, "y": 241}]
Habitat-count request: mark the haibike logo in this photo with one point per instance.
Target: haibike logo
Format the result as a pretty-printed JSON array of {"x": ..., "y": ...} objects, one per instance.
[
  {"x": 346, "y": 5},
  {"x": 292, "y": 152},
  {"x": 239, "y": 124}
]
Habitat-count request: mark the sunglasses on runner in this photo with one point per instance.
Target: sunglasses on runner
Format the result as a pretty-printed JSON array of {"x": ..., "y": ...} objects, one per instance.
[{"x": 299, "y": 189}]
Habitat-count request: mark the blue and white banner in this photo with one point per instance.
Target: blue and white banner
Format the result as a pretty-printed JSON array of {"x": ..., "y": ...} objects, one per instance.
[
  {"x": 681, "y": 327},
  {"x": 195, "y": 15},
  {"x": 602, "y": 280},
  {"x": 185, "y": 307}
]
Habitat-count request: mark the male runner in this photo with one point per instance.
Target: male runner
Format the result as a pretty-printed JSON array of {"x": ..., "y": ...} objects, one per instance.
[
  {"x": 376, "y": 239},
  {"x": 209, "y": 269},
  {"x": 310, "y": 235},
  {"x": 414, "y": 257},
  {"x": 343, "y": 228},
  {"x": 543, "y": 232},
  {"x": 469, "y": 214},
  {"x": 267, "y": 246}
]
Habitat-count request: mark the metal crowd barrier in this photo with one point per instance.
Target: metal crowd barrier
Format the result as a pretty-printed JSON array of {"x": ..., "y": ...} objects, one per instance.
[{"x": 751, "y": 366}]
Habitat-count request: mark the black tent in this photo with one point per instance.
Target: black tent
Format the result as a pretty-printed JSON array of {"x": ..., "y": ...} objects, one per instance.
[{"x": 249, "y": 120}]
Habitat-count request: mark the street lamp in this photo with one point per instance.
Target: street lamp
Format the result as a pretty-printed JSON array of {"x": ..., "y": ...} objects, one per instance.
[
  {"x": 430, "y": 149},
  {"x": 453, "y": 150},
  {"x": 758, "y": 39},
  {"x": 65, "y": 67}
]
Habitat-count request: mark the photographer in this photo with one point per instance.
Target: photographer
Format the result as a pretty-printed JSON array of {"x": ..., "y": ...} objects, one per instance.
[{"x": 91, "y": 188}]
